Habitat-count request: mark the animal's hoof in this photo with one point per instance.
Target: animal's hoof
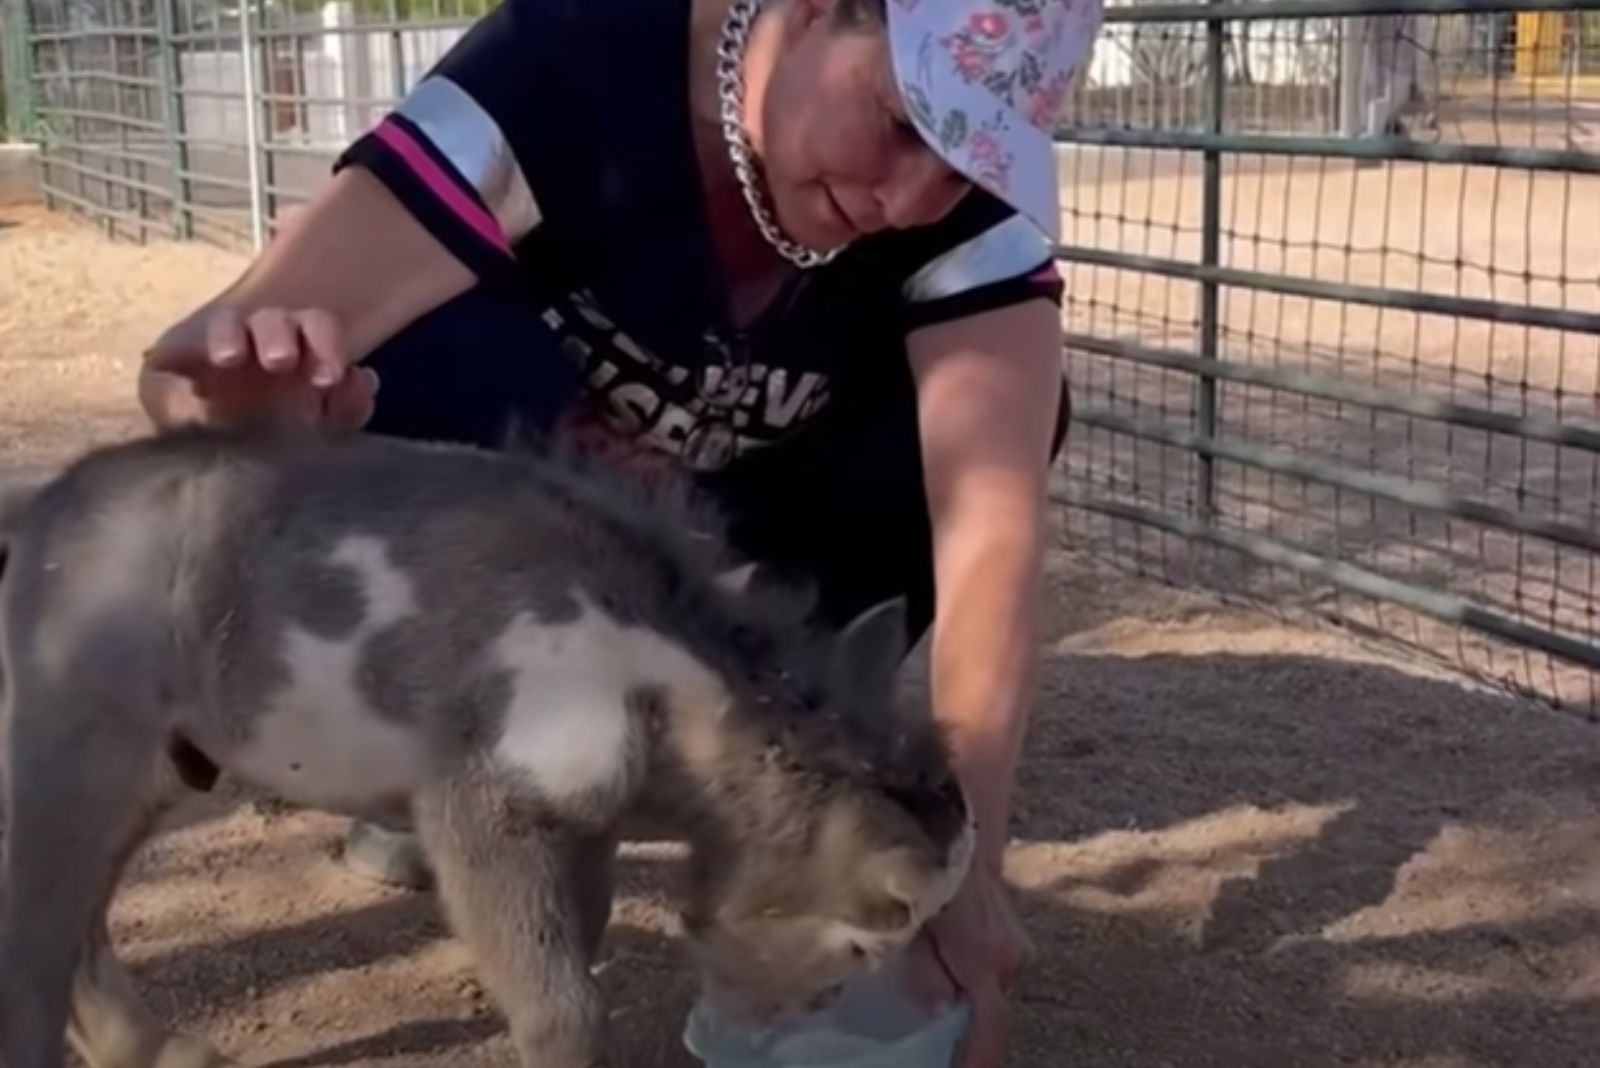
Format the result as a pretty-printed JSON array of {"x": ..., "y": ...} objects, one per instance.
[
  {"x": 394, "y": 858},
  {"x": 168, "y": 1051},
  {"x": 181, "y": 1051}
]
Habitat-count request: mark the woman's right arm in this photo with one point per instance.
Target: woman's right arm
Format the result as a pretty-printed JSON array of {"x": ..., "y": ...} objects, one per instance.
[
  {"x": 352, "y": 268},
  {"x": 438, "y": 195}
]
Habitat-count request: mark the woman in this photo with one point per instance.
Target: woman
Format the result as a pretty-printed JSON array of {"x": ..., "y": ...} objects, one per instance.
[{"x": 803, "y": 249}]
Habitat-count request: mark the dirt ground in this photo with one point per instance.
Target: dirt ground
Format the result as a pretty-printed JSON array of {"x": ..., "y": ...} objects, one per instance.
[{"x": 1238, "y": 844}]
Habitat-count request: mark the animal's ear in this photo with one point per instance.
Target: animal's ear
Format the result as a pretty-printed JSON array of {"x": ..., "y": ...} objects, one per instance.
[
  {"x": 738, "y": 579},
  {"x": 867, "y": 653}
]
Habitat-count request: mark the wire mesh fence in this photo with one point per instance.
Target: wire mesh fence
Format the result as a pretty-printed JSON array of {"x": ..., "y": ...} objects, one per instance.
[
  {"x": 199, "y": 118},
  {"x": 1334, "y": 286},
  {"x": 1335, "y": 320}
]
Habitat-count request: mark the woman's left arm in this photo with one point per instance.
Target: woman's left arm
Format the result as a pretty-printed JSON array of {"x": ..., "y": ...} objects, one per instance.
[{"x": 988, "y": 388}]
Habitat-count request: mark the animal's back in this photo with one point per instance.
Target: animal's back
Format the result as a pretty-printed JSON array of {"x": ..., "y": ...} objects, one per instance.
[
  {"x": 215, "y": 513},
  {"x": 368, "y": 611},
  {"x": 345, "y": 617},
  {"x": 88, "y": 555}
]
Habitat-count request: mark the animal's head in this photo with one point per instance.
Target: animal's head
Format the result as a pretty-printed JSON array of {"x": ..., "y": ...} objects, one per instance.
[{"x": 833, "y": 826}]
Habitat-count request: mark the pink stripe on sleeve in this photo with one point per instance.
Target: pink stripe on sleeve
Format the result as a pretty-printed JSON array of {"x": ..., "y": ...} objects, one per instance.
[{"x": 442, "y": 187}]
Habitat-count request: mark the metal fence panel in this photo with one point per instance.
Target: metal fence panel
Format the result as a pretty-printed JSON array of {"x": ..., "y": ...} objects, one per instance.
[
  {"x": 1335, "y": 319},
  {"x": 1334, "y": 289},
  {"x": 202, "y": 119},
  {"x": 16, "y": 92}
]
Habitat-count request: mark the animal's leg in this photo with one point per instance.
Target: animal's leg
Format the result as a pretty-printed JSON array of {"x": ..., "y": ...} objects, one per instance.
[
  {"x": 386, "y": 853},
  {"x": 111, "y": 1027},
  {"x": 82, "y": 783},
  {"x": 504, "y": 878},
  {"x": 593, "y": 872}
]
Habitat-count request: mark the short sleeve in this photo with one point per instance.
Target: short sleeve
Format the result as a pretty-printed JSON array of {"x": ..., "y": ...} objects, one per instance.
[
  {"x": 983, "y": 256},
  {"x": 457, "y": 150}
]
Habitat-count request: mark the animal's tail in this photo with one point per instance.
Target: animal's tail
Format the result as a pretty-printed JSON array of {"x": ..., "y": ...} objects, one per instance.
[{"x": 15, "y": 496}]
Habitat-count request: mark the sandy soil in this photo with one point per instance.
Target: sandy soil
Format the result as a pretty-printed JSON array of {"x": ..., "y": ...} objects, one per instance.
[{"x": 1239, "y": 844}]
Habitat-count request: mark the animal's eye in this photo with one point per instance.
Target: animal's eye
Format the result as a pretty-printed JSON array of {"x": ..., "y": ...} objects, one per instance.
[{"x": 858, "y": 951}]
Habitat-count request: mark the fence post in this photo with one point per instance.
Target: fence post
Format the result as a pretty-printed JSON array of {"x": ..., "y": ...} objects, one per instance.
[
  {"x": 6, "y": 62},
  {"x": 355, "y": 65},
  {"x": 266, "y": 56},
  {"x": 252, "y": 124},
  {"x": 17, "y": 118},
  {"x": 1352, "y": 67},
  {"x": 173, "y": 118},
  {"x": 1211, "y": 256},
  {"x": 397, "y": 52}
]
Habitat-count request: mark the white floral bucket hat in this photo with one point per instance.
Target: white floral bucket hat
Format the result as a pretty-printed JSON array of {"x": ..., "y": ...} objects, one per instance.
[{"x": 984, "y": 81}]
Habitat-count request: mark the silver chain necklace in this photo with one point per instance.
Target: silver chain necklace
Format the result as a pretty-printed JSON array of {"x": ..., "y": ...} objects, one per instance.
[{"x": 730, "y": 89}]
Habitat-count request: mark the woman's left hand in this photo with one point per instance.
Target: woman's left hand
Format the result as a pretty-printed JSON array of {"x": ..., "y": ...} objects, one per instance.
[{"x": 973, "y": 950}]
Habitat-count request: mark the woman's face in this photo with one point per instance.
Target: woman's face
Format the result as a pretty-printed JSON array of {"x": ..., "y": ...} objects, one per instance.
[{"x": 840, "y": 157}]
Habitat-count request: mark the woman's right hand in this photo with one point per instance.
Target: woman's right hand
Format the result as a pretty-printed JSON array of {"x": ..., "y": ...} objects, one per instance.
[{"x": 224, "y": 366}]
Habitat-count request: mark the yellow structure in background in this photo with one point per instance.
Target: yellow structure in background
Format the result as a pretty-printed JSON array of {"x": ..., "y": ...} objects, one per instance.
[
  {"x": 1541, "y": 36},
  {"x": 1557, "y": 51}
]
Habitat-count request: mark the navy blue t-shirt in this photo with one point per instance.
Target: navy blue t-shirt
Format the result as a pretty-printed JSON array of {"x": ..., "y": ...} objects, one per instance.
[{"x": 551, "y": 149}]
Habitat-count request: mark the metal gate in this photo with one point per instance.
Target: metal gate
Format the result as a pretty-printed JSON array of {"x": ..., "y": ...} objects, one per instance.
[
  {"x": 1335, "y": 319},
  {"x": 204, "y": 118}
]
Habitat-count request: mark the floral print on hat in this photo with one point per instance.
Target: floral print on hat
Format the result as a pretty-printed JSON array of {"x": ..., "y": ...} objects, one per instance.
[{"x": 984, "y": 81}]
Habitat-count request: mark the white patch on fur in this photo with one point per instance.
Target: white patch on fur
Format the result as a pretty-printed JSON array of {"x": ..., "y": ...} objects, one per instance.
[
  {"x": 320, "y": 742},
  {"x": 567, "y": 727},
  {"x": 389, "y": 594}
]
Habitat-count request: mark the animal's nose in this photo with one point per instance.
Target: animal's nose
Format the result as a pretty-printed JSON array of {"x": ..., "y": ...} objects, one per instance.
[{"x": 823, "y": 998}]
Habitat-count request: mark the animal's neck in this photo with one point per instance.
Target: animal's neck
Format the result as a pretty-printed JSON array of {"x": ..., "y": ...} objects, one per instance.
[{"x": 706, "y": 781}]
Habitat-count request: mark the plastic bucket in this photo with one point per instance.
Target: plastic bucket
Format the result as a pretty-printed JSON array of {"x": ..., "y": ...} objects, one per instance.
[{"x": 873, "y": 1023}]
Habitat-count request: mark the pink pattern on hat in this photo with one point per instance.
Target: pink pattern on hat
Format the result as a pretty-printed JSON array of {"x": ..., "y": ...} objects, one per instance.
[
  {"x": 984, "y": 81},
  {"x": 990, "y": 158}
]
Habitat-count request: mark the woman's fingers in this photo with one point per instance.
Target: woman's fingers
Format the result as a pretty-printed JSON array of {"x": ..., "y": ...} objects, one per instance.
[
  {"x": 930, "y": 982},
  {"x": 324, "y": 347},
  {"x": 278, "y": 340},
  {"x": 988, "y": 1035},
  {"x": 275, "y": 335},
  {"x": 227, "y": 344},
  {"x": 272, "y": 363},
  {"x": 349, "y": 403}
]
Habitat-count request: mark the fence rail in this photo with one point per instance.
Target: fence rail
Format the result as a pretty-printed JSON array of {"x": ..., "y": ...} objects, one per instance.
[
  {"x": 1334, "y": 319},
  {"x": 1333, "y": 286}
]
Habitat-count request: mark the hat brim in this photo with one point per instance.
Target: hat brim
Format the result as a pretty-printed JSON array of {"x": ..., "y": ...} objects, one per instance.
[{"x": 972, "y": 129}]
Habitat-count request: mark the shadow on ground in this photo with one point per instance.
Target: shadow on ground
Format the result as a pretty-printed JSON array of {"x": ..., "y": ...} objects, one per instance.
[{"x": 1284, "y": 860}]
